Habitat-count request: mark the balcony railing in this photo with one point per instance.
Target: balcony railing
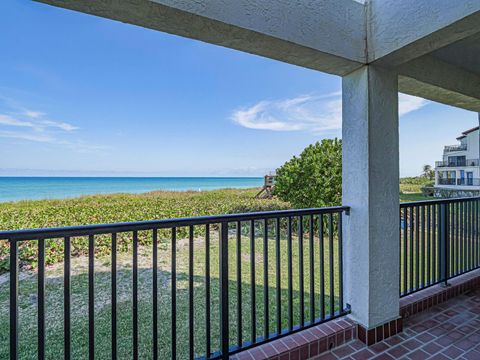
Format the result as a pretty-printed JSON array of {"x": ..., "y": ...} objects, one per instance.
[
  {"x": 447, "y": 181},
  {"x": 452, "y": 148},
  {"x": 245, "y": 279},
  {"x": 468, "y": 162},
  {"x": 460, "y": 182},
  {"x": 468, "y": 182},
  {"x": 439, "y": 240}
]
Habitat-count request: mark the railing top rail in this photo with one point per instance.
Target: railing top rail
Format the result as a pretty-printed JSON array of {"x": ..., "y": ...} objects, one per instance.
[
  {"x": 439, "y": 201},
  {"x": 96, "y": 229}
]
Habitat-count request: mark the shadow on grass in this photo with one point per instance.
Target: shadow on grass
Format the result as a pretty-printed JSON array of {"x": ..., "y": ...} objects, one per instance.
[{"x": 79, "y": 317}]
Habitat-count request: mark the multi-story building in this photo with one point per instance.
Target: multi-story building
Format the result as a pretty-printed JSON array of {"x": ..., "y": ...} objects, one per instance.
[{"x": 459, "y": 171}]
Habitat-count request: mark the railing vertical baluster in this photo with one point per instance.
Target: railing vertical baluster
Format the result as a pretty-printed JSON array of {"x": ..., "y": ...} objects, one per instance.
[
  {"x": 191, "y": 339},
  {"x": 13, "y": 299},
  {"x": 290, "y": 273},
  {"x": 239, "y": 285},
  {"x": 114, "y": 295},
  {"x": 207, "y": 291},
  {"x": 429, "y": 245},
  {"x": 331, "y": 265},
  {"x": 174, "y": 294},
  {"x": 417, "y": 247},
  {"x": 253, "y": 310},
  {"x": 278, "y": 279},
  {"x": 135, "y": 296},
  {"x": 340, "y": 262},
  {"x": 457, "y": 238},
  {"x": 312, "y": 269},
  {"x": 422, "y": 246},
  {"x": 472, "y": 232},
  {"x": 443, "y": 231},
  {"x": 462, "y": 256},
  {"x": 410, "y": 258},
  {"x": 155, "y": 293},
  {"x": 451, "y": 234},
  {"x": 66, "y": 298},
  {"x": 434, "y": 243},
  {"x": 475, "y": 236},
  {"x": 41, "y": 299},
  {"x": 405, "y": 252},
  {"x": 300, "y": 271},
  {"x": 322, "y": 266},
  {"x": 266, "y": 319},
  {"x": 470, "y": 235},
  {"x": 91, "y": 297},
  {"x": 224, "y": 329},
  {"x": 465, "y": 238}
]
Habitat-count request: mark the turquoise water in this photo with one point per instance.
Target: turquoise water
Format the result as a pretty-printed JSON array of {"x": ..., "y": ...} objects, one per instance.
[{"x": 33, "y": 188}]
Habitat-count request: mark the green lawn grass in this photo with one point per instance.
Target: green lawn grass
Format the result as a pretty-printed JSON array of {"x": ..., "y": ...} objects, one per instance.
[{"x": 54, "y": 300}]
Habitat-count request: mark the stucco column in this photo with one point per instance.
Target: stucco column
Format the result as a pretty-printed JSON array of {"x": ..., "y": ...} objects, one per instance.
[{"x": 371, "y": 188}]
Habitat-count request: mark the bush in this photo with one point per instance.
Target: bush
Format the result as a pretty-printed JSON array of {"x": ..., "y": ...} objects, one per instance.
[
  {"x": 118, "y": 208},
  {"x": 314, "y": 179}
]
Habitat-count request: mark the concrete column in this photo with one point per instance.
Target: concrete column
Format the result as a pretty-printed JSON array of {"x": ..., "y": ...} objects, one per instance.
[{"x": 371, "y": 188}]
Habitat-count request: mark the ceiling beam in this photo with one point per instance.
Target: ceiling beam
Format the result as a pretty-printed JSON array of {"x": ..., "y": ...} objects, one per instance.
[
  {"x": 436, "y": 80},
  {"x": 399, "y": 31},
  {"x": 325, "y": 35}
]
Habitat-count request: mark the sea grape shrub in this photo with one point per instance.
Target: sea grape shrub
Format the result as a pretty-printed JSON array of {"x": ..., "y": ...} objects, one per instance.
[
  {"x": 314, "y": 178},
  {"x": 119, "y": 208}
]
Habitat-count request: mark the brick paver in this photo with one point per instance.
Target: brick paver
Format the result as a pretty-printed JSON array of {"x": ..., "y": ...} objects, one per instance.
[{"x": 450, "y": 330}]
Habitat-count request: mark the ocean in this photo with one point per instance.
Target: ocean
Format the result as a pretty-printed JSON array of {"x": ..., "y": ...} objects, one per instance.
[{"x": 35, "y": 188}]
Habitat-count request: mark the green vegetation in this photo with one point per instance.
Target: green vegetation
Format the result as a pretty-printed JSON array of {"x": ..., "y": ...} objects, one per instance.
[
  {"x": 118, "y": 208},
  {"x": 411, "y": 187},
  {"x": 54, "y": 296},
  {"x": 313, "y": 179}
]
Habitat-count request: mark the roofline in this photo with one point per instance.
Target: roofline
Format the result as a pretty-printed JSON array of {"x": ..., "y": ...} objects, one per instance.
[
  {"x": 470, "y": 130},
  {"x": 466, "y": 132}
]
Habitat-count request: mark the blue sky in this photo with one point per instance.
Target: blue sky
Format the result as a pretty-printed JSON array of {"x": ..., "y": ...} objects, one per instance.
[{"x": 81, "y": 95}]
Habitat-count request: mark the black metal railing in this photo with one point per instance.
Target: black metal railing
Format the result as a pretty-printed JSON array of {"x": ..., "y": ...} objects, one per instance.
[
  {"x": 457, "y": 163},
  {"x": 216, "y": 285},
  {"x": 438, "y": 241}
]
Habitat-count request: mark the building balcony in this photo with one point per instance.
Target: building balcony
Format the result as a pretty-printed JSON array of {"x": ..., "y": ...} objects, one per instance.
[
  {"x": 447, "y": 181},
  {"x": 453, "y": 148},
  {"x": 468, "y": 162},
  {"x": 460, "y": 182}
]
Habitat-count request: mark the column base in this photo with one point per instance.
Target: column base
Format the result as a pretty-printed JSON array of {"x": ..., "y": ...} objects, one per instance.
[{"x": 379, "y": 333}]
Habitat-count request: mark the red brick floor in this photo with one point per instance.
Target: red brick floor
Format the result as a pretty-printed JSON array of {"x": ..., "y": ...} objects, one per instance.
[{"x": 450, "y": 330}]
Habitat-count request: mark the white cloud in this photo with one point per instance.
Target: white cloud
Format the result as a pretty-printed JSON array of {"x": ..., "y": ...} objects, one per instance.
[
  {"x": 33, "y": 114},
  {"x": 76, "y": 145},
  {"x": 409, "y": 103},
  {"x": 316, "y": 113},
  {"x": 26, "y": 136},
  {"x": 59, "y": 125},
  {"x": 38, "y": 124},
  {"x": 37, "y": 127},
  {"x": 11, "y": 121}
]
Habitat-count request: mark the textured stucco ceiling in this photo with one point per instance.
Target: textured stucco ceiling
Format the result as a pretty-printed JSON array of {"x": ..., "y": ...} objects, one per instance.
[{"x": 465, "y": 54}]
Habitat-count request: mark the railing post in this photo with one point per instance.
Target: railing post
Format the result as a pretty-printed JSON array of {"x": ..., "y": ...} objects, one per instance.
[
  {"x": 444, "y": 241},
  {"x": 224, "y": 333},
  {"x": 13, "y": 299}
]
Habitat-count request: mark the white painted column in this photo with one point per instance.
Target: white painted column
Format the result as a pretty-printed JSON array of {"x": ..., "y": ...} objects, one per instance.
[{"x": 370, "y": 173}]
